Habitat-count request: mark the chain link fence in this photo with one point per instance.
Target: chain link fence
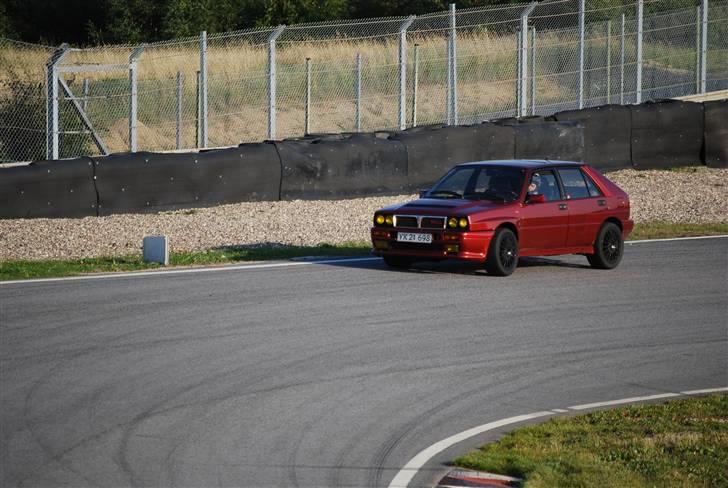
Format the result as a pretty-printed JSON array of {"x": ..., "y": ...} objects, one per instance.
[{"x": 457, "y": 66}]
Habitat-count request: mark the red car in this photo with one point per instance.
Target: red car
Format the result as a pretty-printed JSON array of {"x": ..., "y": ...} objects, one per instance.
[{"x": 497, "y": 211}]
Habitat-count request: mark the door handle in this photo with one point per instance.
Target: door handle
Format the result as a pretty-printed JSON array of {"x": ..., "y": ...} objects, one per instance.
[
  {"x": 602, "y": 203},
  {"x": 562, "y": 206}
]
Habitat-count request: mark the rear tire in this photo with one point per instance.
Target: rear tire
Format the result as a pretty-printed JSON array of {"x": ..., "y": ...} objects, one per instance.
[
  {"x": 398, "y": 261},
  {"x": 608, "y": 247},
  {"x": 502, "y": 259}
]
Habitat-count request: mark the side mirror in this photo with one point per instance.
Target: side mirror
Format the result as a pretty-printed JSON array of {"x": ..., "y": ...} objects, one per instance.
[
  {"x": 536, "y": 199},
  {"x": 423, "y": 193}
]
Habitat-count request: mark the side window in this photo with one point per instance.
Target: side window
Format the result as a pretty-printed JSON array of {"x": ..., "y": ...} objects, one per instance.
[
  {"x": 544, "y": 183},
  {"x": 574, "y": 184},
  {"x": 594, "y": 191}
]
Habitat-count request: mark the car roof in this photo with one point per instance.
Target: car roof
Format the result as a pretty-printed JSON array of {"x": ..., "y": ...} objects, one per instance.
[{"x": 522, "y": 163}]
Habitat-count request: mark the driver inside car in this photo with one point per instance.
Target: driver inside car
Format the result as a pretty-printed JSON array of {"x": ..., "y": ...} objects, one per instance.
[{"x": 535, "y": 186}]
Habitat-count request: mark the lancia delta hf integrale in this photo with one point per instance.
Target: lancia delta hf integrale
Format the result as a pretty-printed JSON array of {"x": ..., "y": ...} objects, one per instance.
[{"x": 497, "y": 211}]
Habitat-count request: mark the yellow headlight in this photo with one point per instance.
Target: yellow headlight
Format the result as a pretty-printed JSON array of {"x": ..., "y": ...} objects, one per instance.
[
  {"x": 389, "y": 220},
  {"x": 379, "y": 219},
  {"x": 452, "y": 222},
  {"x": 463, "y": 223}
]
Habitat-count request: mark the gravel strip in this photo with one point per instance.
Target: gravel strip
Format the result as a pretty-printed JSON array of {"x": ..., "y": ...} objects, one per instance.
[{"x": 699, "y": 196}]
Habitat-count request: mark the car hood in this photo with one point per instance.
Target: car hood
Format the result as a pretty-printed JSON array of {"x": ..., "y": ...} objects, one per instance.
[{"x": 443, "y": 207}]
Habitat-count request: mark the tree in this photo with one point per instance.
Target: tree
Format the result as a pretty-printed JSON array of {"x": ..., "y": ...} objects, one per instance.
[
  {"x": 6, "y": 29},
  {"x": 296, "y": 11},
  {"x": 185, "y": 18},
  {"x": 132, "y": 21}
]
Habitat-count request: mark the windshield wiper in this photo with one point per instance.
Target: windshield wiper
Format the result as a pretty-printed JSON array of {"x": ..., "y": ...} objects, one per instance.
[{"x": 445, "y": 193}]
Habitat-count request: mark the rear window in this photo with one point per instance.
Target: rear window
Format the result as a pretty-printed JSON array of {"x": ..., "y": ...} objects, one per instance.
[
  {"x": 574, "y": 183},
  {"x": 594, "y": 191}
]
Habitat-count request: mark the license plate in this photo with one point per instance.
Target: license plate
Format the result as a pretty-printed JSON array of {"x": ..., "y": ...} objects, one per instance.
[{"x": 414, "y": 237}]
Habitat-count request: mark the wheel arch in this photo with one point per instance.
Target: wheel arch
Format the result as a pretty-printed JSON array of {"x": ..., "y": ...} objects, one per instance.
[
  {"x": 613, "y": 220},
  {"x": 508, "y": 225}
]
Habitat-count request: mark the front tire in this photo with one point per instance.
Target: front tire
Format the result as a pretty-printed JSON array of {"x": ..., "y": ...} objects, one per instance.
[
  {"x": 608, "y": 247},
  {"x": 502, "y": 258},
  {"x": 397, "y": 261}
]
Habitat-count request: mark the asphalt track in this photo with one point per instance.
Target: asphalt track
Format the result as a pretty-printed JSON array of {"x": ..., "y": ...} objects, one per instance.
[{"x": 335, "y": 374}]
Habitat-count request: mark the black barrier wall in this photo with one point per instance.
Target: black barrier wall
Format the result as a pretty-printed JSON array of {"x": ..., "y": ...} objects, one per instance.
[
  {"x": 607, "y": 133},
  {"x": 48, "y": 189},
  {"x": 431, "y": 151},
  {"x": 716, "y": 134},
  {"x": 356, "y": 164},
  {"x": 666, "y": 134},
  {"x": 652, "y": 135},
  {"x": 152, "y": 181},
  {"x": 538, "y": 138}
]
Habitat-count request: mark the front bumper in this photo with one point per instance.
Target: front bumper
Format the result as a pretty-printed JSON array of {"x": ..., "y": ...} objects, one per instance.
[{"x": 467, "y": 246}]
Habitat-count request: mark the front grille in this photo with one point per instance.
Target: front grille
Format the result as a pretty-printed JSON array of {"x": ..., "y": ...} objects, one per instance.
[
  {"x": 416, "y": 222},
  {"x": 432, "y": 223},
  {"x": 407, "y": 222}
]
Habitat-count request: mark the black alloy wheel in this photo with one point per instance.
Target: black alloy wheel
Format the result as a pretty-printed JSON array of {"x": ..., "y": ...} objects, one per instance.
[
  {"x": 502, "y": 258},
  {"x": 608, "y": 247}
]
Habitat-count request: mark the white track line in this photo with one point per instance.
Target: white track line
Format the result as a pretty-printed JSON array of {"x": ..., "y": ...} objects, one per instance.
[
  {"x": 135, "y": 274},
  {"x": 621, "y": 401},
  {"x": 676, "y": 239},
  {"x": 405, "y": 475},
  {"x": 703, "y": 392}
]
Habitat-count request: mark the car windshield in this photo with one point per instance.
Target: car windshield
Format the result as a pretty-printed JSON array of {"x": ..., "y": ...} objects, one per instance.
[{"x": 495, "y": 183}]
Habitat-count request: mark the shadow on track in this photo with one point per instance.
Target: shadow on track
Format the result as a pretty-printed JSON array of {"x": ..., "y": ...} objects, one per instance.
[{"x": 451, "y": 266}]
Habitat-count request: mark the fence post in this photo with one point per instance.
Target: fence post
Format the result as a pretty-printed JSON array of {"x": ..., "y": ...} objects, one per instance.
[
  {"x": 403, "y": 71},
  {"x": 453, "y": 65},
  {"x": 357, "y": 88},
  {"x": 582, "y": 14},
  {"x": 307, "y": 110},
  {"x": 272, "y": 80},
  {"x": 533, "y": 71},
  {"x": 203, "y": 89},
  {"x": 52, "y": 101},
  {"x": 698, "y": 44},
  {"x": 621, "y": 62},
  {"x": 704, "y": 45},
  {"x": 198, "y": 119},
  {"x": 524, "y": 58},
  {"x": 178, "y": 132},
  {"x": 133, "y": 59},
  {"x": 640, "y": 12},
  {"x": 519, "y": 71},
  {"x": 448, "y": 82},
  {"x": 84, "y": 89},
  {"x": 609, "y": 61},
  {"x": 415, "y": 82}
]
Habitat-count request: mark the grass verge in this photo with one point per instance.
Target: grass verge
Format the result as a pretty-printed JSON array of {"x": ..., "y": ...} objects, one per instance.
[
  {"x": 18, "y": 270},
  {"x": 679, "y": 443},
  {"x": 663, "y": 230}
]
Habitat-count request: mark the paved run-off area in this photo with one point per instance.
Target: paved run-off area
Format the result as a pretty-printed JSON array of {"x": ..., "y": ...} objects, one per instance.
[
  {"x": 689, "y": 195},
  {"x": 338, "y": 374}
]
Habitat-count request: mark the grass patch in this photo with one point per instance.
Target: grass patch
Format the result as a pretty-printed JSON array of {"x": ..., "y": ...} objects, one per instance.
[
  {"x": 679, "y": 443},
  {"x": 18, "y": 270},
  {"x": 662, "y": 230}
]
